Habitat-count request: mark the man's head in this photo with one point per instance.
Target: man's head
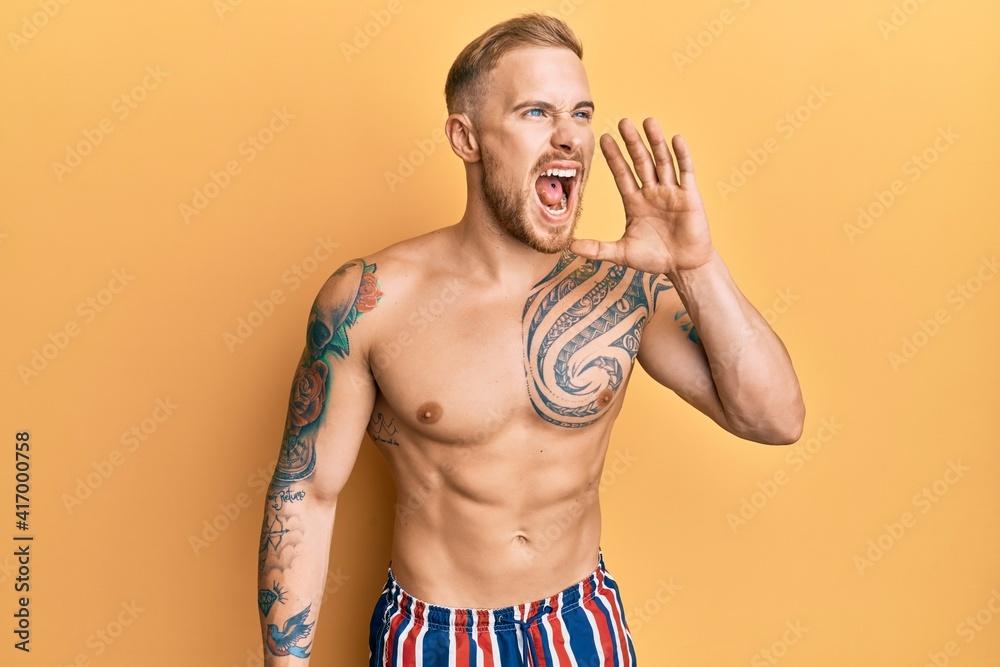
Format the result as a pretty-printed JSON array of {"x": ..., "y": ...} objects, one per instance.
[{"x": 520, "y": 118}]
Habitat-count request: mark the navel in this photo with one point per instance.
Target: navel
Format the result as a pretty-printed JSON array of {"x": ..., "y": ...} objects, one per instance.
[{"x": 429, "y": 413}]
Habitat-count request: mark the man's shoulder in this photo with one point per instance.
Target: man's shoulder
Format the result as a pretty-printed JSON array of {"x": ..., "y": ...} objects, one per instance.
[
  {"x": 361, "y": 283},
  {"x": 410, "y": 258}
]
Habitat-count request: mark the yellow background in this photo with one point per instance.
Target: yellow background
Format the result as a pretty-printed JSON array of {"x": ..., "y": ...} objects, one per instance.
[{"x": 700, "y": 588}]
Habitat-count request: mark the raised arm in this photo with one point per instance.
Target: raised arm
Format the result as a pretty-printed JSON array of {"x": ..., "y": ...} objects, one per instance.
[
  {"x": 330, "y": 405},
  {"x": 738, "y": 371},
  {"x": 706, "y": 342}
]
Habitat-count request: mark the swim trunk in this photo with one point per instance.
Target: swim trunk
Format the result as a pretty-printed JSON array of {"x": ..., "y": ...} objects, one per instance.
[{"x": 583, "y": 626}]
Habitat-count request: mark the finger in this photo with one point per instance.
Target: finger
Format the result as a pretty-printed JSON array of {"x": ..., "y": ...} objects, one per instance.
[
  {"x": 593, "y": 249},
  {"x": 661, "y": 153},
  {"x": 684, "y": 162},
  {"x": 619, "y": 167},
  {"x": 642, "y": 161}
]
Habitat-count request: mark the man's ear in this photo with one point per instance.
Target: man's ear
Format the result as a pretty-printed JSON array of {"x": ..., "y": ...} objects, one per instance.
[{"x": 462, "y": 137}]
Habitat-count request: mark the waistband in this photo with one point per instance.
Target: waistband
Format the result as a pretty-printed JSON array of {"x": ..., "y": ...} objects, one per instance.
[{"x": 495, "y": 620}]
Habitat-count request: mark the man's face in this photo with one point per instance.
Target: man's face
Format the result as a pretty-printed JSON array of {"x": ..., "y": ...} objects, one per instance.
[{"x": 536, "y": 140}]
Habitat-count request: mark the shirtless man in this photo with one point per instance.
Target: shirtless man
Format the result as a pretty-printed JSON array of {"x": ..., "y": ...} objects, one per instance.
[{"x": 488, "y": 361}]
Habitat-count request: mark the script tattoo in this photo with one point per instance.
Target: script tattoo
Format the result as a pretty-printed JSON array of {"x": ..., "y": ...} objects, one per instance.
[
  {"x": 382, "y": 430},
  {"x": 354, "y": 290},
  {"x": 581, "y": 326},
  {"x": 278, "y": 499}
]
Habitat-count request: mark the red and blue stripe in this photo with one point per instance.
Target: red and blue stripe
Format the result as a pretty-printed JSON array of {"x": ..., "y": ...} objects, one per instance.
[{"x": 583, "y": 626}]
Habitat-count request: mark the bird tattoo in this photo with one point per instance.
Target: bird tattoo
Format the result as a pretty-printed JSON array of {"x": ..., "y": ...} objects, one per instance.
[{"x": 284, "y": 642}]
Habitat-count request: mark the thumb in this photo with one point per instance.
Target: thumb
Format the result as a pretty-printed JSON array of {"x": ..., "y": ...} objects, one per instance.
[{"x": 593, "y": 249}]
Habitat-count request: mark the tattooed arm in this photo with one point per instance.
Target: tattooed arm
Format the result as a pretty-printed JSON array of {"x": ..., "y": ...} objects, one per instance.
[
  {"x": 330, "y": 405},
  {"x": 739, "y": 372},
  {"x": 733, "y": 368}
]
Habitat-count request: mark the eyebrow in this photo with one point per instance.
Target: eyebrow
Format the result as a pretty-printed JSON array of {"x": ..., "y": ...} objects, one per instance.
[{"x": 547, "y": 106}]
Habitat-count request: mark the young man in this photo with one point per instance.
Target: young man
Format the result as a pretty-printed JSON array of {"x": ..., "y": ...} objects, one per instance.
[{"x": 488, "y": 360}]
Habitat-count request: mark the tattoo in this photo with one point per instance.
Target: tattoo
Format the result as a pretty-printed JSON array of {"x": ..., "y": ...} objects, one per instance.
[
  {"x": 581, "y": 327},
  {"x": 268, "y": 596},
  {"x": 278, "y": 499},
  {"x": 336, "y": 310},
  {"x": 271, "y": 535},
  {"x": 381, "y": 429},
  {"x": 684, "y": 321},
  {"x": 657, "y": 284},
  {"x": 286, "y": 641}
]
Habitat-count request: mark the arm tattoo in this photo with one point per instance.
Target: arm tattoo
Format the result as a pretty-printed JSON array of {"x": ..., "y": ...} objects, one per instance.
[
  {"x": 661, "y": 283},
  {"x": 272, "y": 533},
  {"x": 268, "y": 596},
  {"x": 581, "y": 327},
  {"x": 278, "y": 499},
  {"x": 286, "y": 641},
  {"x": 684, "y": 322},
  {"x": 334, "y": 313}
]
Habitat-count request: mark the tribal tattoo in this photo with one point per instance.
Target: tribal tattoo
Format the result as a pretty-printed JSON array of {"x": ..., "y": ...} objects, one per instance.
[
  {"x": 337, "y": 308},
  {"x": 581, "y": 327}
]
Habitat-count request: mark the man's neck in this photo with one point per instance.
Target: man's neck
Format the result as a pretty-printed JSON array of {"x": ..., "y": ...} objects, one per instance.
[{"x": 497, "y": 256}]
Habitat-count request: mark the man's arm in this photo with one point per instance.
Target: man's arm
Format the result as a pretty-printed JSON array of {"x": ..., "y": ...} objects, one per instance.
[
  {"x": 706, "y": 342},
  {"x": 330, "y": 404},
  {"x": 740, "y": 373}
]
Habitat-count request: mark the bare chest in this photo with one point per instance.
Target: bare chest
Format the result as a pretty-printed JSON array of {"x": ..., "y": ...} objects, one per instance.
[{"x": 461, "y": 369}]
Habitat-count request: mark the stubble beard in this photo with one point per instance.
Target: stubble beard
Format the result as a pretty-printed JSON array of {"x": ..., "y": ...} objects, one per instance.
[{"x": 509, "y": 208}]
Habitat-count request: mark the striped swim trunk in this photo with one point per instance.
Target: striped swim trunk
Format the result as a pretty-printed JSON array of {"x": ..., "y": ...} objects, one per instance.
[{"x": 583, "y": 626}]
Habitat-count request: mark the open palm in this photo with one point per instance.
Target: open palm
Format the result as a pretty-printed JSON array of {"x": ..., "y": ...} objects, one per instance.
[{"x": 666, "y": 228}]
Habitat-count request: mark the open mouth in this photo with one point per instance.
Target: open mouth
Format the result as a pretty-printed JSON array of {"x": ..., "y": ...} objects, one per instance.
[{"x": 556, "y": 189}]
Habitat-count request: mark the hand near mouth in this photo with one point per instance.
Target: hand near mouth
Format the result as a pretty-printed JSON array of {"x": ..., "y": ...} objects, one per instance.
[{"x": 666, "y": 229}]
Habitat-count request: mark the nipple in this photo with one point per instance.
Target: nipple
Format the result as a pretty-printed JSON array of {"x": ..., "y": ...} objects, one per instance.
[
  {"x": 605, "y": 397},
  {"x": 429, "y": 413}
]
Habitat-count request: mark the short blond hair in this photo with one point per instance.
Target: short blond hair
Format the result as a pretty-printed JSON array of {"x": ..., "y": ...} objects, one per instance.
[{"x": 480, "y": 57}]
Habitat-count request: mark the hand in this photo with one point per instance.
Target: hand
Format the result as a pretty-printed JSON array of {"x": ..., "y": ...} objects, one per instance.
[{"x": 666, "y": 229}]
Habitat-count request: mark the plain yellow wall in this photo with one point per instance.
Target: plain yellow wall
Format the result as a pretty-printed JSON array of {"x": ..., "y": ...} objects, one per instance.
[{"x": 875, "y": 541}]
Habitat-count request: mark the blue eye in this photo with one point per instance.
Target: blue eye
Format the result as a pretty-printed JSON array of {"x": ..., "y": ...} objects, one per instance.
[
  {"x": 583, "y": 114},
  {"x": 534, "y": 112}
]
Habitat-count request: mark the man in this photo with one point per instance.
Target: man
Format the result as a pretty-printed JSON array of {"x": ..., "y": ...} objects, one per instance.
[{"x": 488, "y": 360}]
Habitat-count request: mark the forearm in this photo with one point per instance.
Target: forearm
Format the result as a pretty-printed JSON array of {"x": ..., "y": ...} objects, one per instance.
[
  {"x": 750, "y": 367},
  {"x": 292, "y": 568}
]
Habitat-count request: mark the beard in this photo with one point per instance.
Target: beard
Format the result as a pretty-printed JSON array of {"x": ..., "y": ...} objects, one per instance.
[{"x": 510, "y": 207}]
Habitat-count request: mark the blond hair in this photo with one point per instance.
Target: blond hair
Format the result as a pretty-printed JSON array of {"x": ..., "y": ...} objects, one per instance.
[{"x": 481, "y": 56}]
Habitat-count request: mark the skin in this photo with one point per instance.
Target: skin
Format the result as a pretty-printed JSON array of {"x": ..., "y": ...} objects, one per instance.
[{"x": 496, "y": 463}]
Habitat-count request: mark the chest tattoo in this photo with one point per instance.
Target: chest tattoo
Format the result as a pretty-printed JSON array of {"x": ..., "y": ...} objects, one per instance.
[{"x": 581, "y": 327}]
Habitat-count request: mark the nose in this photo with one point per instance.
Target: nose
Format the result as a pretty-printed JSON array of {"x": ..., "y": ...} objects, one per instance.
[{"x": 568, "y": 135}]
